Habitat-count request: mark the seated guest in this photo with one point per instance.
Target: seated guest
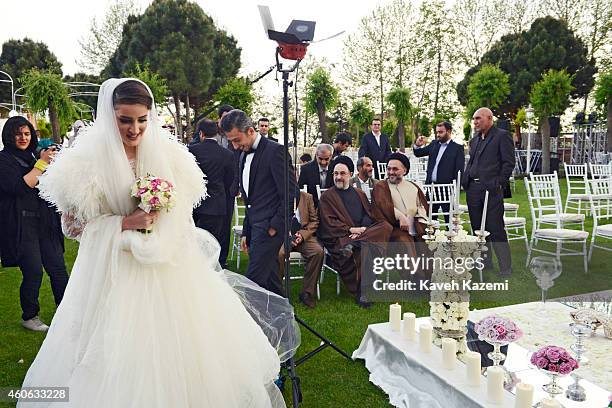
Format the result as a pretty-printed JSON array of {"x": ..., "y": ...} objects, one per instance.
[
  {"x": 342, "y": 141},
  {"x": 316, "y": 172},
  {"x": 400, "y": 202},
  {"x": 217, "y": 163},
  {"x": 364, "y": 180},
  {"x": 305, "y": 158},
  {"x": 306, "y": 244},
  {"x": 346, "y": 221}
]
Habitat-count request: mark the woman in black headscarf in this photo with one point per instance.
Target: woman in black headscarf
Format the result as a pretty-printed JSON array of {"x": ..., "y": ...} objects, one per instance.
[{"x": 31, "y": 228}]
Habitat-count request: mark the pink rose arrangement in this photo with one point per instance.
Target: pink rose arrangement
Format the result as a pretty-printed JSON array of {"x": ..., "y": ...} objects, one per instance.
[
  {"x": 497, "y": 329},
  {"x": 554, "y": 359},
  {"x": 154, "y": 193}
]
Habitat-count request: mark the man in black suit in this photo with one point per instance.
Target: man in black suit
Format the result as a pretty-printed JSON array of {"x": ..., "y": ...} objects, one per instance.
[
  {"x": 342, "y": 141},
  {"x": 262, "y": 183},
  {"x": 317, "y": 172},
  {"x": 489, "y": 169},
  {"x": 375, "y": 145},
  {"x": 446, "y": 158},
  {"x": 264, "y": 128},
  {"x": 217, "y": 164}
]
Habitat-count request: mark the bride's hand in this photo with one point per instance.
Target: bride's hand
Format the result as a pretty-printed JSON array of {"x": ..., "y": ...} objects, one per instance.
[{"x": 139, "y": 220}]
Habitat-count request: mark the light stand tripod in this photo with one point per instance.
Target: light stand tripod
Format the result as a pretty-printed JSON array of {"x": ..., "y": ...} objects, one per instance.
[{"x": 290, "y": 365}]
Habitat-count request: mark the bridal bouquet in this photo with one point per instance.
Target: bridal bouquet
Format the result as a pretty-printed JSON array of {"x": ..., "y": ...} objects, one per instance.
[
  {"x": 554, "y": 359},
  {"x": 497, "y": 329},
  {"x": 154, "y": 193}
]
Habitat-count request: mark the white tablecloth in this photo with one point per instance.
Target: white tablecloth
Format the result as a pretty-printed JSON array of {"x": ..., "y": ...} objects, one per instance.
[{"x": 413, "y": 379}]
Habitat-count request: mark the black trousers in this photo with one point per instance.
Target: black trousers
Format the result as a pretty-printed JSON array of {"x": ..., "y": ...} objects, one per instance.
[
  {"x": 498, "y": 240},
  {"x": 226, "y": 234},
  {"x": 263, "y": 266},
  {"x": 37, "y": 250},
  {"x": 442, "y": 208},
  {"x": 215, "y": 224}
]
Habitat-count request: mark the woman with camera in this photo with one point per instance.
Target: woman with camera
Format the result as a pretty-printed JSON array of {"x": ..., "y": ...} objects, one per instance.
[{"x": 31, "y": 235}]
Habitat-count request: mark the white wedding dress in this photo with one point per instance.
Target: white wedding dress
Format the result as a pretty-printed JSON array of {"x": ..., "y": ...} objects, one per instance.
[{"x": 151, "y": 320}]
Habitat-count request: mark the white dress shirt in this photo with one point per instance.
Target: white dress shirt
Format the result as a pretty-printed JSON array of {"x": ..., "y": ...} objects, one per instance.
[
  {"x": 377, "y": 137},
  {"x": 434, "y": 172},
  {"x": 246, "y": 171}
]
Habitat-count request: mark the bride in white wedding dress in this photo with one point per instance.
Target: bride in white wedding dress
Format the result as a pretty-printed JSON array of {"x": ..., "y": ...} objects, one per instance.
[{"x": 150, "y": 320}]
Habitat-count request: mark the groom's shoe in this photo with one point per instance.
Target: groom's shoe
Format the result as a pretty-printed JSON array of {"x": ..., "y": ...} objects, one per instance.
[{"x": 35, "y": 324}]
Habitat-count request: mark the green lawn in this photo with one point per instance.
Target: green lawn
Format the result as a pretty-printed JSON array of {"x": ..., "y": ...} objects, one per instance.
[{"x": 327, "y": 380}]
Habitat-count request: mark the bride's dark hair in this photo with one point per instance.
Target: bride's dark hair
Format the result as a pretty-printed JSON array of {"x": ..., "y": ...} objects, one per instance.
[{"x": 132, "y": 93}]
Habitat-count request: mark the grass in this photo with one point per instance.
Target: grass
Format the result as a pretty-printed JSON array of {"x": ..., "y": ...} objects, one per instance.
[{"x": 328, "y": 380}]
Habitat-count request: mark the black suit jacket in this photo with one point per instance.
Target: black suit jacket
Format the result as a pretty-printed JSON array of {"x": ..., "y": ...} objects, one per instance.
[
  {"x": 376, "y": 153},
  {"x": 451, "y": 162},
  {"x": 309, "y": 176},
  {"x": 494, "y": 159},
  {"x": 265, "y": 199},
  {"x": 217, "y": 163}
]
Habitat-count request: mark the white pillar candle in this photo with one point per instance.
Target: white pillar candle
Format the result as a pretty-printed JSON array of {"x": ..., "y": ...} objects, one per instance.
[
  {"x": 524, "y": 396},
  {"x": 483, "y": 224},
  {"x": 495, "y": 384},
  {"x": 449, "y": 353},
  {"x": 395, "y": 316},
  {"x": 425, "y": 335},
  {"x": 472, "y": 362},
  {"x": 550, "y": 403},
  {"x": 409, "y": 325}
]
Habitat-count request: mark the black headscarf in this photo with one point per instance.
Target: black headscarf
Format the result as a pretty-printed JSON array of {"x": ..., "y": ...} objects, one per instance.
[{"x": 10, "y": 129}]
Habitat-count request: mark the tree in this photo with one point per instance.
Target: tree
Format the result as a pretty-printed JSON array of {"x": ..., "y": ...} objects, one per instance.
[
  {"x": 155, "y": 82},
  {"x": 45, "y": 90},
  {"x": 87, "y": 101},
  {"x": 488, "y": 87},
  {"x": 19, "y": 56},
  {"x": 361, "y": 115},
  {"x": 603, "y": 98},
  {"x": 550, "y": 96},
  {"x": 400, "y": 99},
  {"x": 321, "y": 96},
  {"x": 104, "y": 37},
  {"x": 549, "y": 44},
  {"x": 237, "y": 92}
]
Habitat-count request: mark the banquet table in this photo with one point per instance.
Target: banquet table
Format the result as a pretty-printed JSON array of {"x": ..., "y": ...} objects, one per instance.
[{"x": 413, "y": 379}]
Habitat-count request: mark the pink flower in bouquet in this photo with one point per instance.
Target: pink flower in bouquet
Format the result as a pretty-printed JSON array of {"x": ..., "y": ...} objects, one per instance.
[
  {"x": 554, "y": 359},
  {"x": 553, "y": 368},
  {"x": 553, "y": 354},
  {"x": 154, "y": 201},
  {"x": 501, "y": 330},
  {"x": 565, "y": 368}
]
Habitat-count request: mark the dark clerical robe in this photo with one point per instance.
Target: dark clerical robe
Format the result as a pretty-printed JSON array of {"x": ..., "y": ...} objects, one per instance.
[{"x": 339, "y": 211}]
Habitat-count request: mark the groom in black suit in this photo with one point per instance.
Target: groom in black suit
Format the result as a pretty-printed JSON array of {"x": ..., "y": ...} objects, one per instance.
[
  {"x": 375, "y": 145},
  {"x": 262, "y": 180},
  {"x": 217, "y": 163}
]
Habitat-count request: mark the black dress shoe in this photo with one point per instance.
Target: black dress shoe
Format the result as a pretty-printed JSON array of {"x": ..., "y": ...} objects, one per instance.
[
  {"x": 307, "y": 300},
  {"x": 362, "y": 303}
]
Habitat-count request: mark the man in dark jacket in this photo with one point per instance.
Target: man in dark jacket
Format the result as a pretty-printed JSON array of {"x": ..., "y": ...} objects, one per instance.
[
  {"x": 317, "y": 172},
  {"x": 217, "y": 165},
  {"x": 375, "y": 145},
  {"x": 489, "y": 169}
]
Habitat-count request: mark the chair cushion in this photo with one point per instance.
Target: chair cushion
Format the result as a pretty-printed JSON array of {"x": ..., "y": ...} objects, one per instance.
[
  {"x": 561, "y": 233},
  {"x": 511, "y": 207},
  {"x": 605, "y": 230},
  {"x": 514, "y": 221},
  {"x": 565, "y": 217}
]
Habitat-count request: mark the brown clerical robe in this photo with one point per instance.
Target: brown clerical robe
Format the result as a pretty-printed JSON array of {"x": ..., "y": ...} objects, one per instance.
[{"x": 335, "y": 222}]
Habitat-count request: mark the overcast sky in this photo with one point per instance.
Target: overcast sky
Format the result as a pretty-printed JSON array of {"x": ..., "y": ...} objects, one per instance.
[{"x": 60, "y": 24}]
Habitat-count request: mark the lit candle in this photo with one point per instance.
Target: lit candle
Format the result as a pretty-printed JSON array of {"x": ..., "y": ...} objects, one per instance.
[
  {"x": 425, "y": 334},
  {"x": 472, "y": 362},
  {"x": 395, "y": 316},
  {"x": 495, "y": 384},
  {"x": 483, "y": 224},
  {"x": 409, "y": 324},
  {"x": 550, "y": 403},
  {"x": 524, "y": 396},
  {"x": 449, "y": 353}
]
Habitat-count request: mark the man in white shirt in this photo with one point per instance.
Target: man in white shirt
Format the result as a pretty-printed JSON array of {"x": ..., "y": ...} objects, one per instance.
[
  {"x": 364, "y": 180},
  {"x": 375, "y": 145}
]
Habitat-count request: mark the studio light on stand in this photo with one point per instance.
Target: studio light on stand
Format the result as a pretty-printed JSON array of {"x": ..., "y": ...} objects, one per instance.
[{"x": 292, "y": 45}]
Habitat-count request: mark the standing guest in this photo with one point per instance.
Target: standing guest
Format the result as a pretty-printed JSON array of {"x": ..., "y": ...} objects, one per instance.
[
  {"x": 375, "y": 145},
  {"x": 217, "y": 164},
  {"x": 264, "y": 128},
  {"x": 317, "y": 172},
  {"x": 446, "y": 159},
  {"x": 31, "y": 227},
  {"x": 364, "y": 180},
  {"x": 489, "y": 169},
  {"x": 262, "y": 183},
  {"x": 345, "y": 222},
  {"x": 342, "y": 141},
  {"x": 305, "y": 158},
  {"x": 306, "y": 243}
]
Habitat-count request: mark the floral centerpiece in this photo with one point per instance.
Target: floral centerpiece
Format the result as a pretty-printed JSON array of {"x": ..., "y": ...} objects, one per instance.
[
  {"x": 154, "y": 193},
  {"x": 554, "y": 360},
  {"x": 496, "y": 329}
]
